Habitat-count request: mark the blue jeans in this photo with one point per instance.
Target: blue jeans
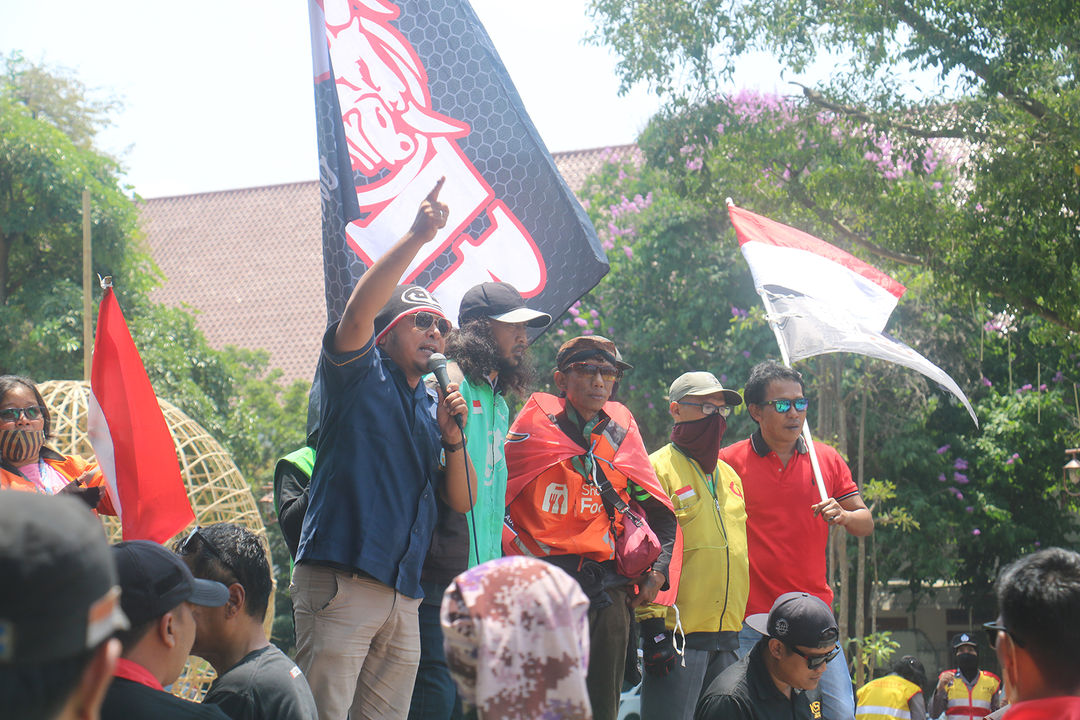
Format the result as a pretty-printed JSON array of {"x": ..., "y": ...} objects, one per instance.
[
  {"x": 674, "y": 696},
  {"x": 434, "y": 694},
  {"x": 837, "y": 699}
]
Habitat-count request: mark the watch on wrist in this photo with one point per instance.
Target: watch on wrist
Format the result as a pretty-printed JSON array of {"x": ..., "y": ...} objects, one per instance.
[{"x": 448, "y": 447}]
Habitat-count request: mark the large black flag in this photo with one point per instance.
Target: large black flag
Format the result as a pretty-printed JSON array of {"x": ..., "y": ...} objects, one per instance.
[{"x": 407, "y": 94}]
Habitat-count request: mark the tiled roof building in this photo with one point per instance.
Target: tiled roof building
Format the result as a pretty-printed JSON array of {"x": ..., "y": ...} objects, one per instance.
[{"x": 249, "y": 261}]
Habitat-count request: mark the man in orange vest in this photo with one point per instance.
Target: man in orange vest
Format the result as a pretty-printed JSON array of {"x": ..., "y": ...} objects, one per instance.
[
  {"x": 896, "y": 695},
  {"x": 966, "y": 691},
  {"x": 579, "y": 483}
]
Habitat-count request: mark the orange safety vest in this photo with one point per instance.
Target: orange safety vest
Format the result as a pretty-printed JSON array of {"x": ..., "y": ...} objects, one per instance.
[
  {"x": 886, "y": 698},
  {"x": 69, "y": 466},
  {"x": 974, "y": 703},
  {"x": 560, "y": 513},
  {"x": 550, "y": 503}
]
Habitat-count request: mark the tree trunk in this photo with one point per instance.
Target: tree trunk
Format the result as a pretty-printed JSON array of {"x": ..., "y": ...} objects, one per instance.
[{"x": 5, "y": 252}]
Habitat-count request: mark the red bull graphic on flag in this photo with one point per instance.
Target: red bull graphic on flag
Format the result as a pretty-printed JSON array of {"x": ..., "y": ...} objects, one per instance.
[{"x": 408, "y": 93}]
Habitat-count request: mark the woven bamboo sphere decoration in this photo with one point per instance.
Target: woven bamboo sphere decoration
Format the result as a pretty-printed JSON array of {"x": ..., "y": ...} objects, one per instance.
[{"x": 215, "y": 487}]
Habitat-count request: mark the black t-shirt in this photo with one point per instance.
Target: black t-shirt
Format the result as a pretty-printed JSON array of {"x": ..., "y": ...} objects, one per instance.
[
  {"x": 745, "y": 691},
  {"x": 264, "y": 685}
]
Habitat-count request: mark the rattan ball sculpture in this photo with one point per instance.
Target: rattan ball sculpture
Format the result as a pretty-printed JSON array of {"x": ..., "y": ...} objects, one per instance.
[{"x": 215, "y": 487}]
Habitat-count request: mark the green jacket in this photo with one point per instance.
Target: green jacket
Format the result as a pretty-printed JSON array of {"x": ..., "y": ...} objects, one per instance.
[{"x": 485, "y": 433}]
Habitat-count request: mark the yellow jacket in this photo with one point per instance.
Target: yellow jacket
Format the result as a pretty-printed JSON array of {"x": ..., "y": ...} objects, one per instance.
[
  {"x": 886, "y": 698},
  {"x": 715, "y": 578}
]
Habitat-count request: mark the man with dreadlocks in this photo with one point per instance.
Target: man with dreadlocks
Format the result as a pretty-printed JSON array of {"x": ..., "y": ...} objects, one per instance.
[{"x": 490, "y": 361}]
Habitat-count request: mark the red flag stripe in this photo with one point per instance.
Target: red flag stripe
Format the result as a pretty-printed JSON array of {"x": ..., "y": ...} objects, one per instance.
[
  {"x": 130, "y": 436},
  {"x": 750, "y": 227}
]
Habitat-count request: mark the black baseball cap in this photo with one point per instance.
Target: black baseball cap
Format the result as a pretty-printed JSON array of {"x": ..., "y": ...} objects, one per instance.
[
  {"x": 499, "y": 301},
  {"x": 154, "y": 580},
  {"x": 60, "y": 595},
  {"x": 963, "y": 639},
  {"x": 406, "y": 300},
  {"x": 799, "y": 618}
]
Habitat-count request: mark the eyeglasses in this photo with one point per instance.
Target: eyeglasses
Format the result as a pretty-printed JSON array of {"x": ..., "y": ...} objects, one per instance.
[
  {"x": 187, "y": 549},
  {"x": 996, "y": 626},
  {"x": 813, "y": 662},
  {"x": 709, "y": 408},
  {"x": 782, "y": 406},
  {"x": 608, "y": 373},
  {"x": 13, "y": 414},
  {"x": 423, "y": 319}
]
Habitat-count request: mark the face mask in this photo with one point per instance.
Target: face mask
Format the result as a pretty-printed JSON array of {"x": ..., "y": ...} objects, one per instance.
[
  {"x": 19, "y": 447},
  {"x": 968, "y": 665},
  {"x": 700, "y": 439}
]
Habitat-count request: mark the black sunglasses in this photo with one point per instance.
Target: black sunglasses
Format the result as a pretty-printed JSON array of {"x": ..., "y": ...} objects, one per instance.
[
  {"x": 423, "y": 319},
  {"x": 994, "y": 627},
  {"x": 815, "y": 661},
  {"x": 187, "y": 549}
]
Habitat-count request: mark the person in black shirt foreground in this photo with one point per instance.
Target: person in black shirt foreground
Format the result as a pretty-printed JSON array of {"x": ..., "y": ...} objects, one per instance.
[
  {"x": 772, "y": 680},
  {"x": 59, "y": 608},
  {"x": 256, "y": 681},
  {"x": 158, "y": 594}
]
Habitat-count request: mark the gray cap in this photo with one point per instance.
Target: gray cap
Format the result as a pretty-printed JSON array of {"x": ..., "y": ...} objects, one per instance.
[
  {"x": 60, "y": 595},
  {"x": 701, "y": 383}
]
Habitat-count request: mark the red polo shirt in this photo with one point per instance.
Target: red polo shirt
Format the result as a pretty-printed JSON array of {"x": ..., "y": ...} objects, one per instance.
[
  {"x": 786, "y": 540},
  {"x": 1053, "y": 708}
]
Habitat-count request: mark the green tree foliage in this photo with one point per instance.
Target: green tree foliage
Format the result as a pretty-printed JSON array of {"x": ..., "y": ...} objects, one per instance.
[
  {"x": 43, "y": 172},
  {"x": 47, "y": 157},
  {"x": 679, "y": 297},
  {"x": 1006, "y": 227}
]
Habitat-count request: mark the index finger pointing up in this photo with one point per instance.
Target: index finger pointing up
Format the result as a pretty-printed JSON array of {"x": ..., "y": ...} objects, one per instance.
[{"x": 433, "y": 196}]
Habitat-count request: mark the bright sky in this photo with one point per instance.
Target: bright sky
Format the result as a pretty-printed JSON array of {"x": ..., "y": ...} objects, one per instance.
[{"x": 218, "y": 93}]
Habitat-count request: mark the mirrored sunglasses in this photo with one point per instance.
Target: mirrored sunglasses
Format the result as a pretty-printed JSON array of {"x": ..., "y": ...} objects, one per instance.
[
  {"x": 423, "y": 319},
  {"x": 30, "y": 413},
  {"x": 782, "y": 406}
]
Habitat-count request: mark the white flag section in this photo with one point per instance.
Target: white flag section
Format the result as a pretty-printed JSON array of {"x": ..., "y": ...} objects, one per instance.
[{"x": 821, "y": 299}]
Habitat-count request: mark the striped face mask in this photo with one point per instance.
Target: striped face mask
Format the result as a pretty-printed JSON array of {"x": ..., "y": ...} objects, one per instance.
[{"x": 19, "y": 447}]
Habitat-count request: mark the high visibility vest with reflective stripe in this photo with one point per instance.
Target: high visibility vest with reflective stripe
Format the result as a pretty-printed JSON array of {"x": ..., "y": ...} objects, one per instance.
[
  {"x": 886, "y": 698},
  {"x": 974, "y": 703}
]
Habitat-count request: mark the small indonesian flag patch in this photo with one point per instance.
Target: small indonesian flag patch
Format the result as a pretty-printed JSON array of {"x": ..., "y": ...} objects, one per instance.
[
  {"x": 685, "y": 493},
  {"x": 477, "y": 407}
]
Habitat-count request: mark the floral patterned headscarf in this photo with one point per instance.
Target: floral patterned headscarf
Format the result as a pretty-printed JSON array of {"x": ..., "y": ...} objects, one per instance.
[{"x": 516, "y": 633}]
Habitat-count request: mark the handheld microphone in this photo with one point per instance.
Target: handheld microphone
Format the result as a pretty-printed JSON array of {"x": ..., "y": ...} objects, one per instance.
[{"x": 436, "y": 364}]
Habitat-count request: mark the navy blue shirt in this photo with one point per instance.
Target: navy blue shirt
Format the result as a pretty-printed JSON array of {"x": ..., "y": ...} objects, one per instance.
[{"x": 372, "y": 493}]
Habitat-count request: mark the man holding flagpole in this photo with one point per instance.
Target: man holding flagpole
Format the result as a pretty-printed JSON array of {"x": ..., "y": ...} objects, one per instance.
[{"x": 787, "y": 521}]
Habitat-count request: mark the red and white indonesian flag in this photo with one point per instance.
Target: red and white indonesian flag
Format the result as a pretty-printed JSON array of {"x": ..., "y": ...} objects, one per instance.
[
  {"x": 130, "y": 438},
  {"x": 822, "y": 300}
]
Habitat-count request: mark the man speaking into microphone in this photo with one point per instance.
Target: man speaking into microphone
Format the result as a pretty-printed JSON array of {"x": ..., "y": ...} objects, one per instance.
[{"x": 386, "y": 446}]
